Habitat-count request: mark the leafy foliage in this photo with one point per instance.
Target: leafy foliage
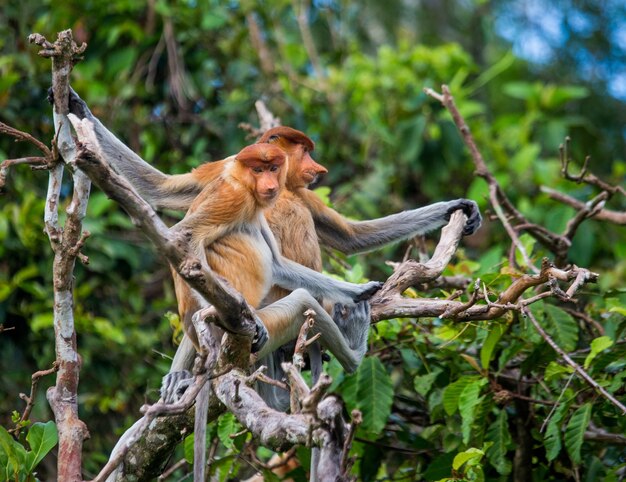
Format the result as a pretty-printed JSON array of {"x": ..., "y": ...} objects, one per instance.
[
  {"x": 18, "y": 462},
  {"x": 440, "y": 400}
]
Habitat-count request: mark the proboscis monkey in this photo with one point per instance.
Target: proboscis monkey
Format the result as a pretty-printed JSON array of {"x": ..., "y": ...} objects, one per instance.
[
  {"x": 229, "y": 233},
  {"x": 299, "y": 220}
]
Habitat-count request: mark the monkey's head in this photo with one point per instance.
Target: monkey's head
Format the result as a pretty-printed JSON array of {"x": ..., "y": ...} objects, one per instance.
[
  {"x": 302, "y": 169},
  {"x": 263, "y": 171}
]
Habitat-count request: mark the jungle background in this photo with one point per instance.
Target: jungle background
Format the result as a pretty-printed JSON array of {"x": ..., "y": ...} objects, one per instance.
[{"x": 174, "y": 79}]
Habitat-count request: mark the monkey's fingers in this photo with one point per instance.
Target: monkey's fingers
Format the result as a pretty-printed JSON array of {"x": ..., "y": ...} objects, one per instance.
[
  {"x": 370, "y": 289},
  {"x": 473, "y": 223},
  {"x": 470, "y": 209},
  {"x": 261, "y": 336}
]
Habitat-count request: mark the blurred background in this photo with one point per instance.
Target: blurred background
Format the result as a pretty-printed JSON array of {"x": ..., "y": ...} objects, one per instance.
[{"x": 174, "y": 79}]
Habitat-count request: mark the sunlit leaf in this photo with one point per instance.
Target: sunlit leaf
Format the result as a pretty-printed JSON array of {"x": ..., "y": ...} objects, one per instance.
[
  {"x": 228, "y": 425},
  {"x": 453, "y": 391},
  {"x": 598, "y": 345},
  {"x": 562, "y": 327},
  {"x": 469, "y": 400},
  {"x": 42, "y": 437},
  {"x": 466, "y": 456},
  {"x": 423, "y": 383}
]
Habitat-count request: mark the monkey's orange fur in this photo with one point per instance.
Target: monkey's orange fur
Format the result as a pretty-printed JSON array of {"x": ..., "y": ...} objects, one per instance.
[{"x": 219, "y": 216}]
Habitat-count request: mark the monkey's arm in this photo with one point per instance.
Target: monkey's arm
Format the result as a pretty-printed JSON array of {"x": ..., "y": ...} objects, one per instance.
[
  {"x": 350, "y": 237},
  {"x": 160, "y": 190},
  {"x": 291, "y": 275}
]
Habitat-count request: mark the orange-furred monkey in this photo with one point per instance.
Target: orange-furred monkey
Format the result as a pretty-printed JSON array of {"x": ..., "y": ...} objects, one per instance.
[
  {"x": 299, "y": 220},
  {"x": 230, "y": 234}
]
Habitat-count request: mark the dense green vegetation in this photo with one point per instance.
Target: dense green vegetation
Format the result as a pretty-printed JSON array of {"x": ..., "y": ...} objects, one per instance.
[{"x": 175, "y": 79}]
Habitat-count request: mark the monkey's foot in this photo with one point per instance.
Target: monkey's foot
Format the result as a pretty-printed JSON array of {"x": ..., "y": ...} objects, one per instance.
[{"x": 174, "y": 385}]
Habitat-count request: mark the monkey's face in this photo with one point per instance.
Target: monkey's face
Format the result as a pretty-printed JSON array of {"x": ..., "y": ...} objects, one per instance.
[
  {"x": 263, "y": 171},
  {"x": 303, "y": 170},
  {"x": 267, "y": 183},
  {"x": 311, "y": 171}
]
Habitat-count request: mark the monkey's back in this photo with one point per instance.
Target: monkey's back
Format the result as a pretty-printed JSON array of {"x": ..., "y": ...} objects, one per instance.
[
  {"x": 292, "y": 225},
  {"x": 294, "y": 230}
]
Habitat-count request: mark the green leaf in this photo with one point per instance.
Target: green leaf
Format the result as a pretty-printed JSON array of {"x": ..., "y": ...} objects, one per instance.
[
  {"x": 188, "y": 448},
  {"x": 520, "y": 90},
  {"x": 463, "y": 457},
  {"x": 469, "y": 400},
  {"x": 528, "y": 242},
  {"x": 598, "y": 345},
  {"x": 269, "y": 476},
  {"x": 226, "y": 426},
  {"x": 25, "y": 274},
  {"x": 440, "y": 467},
  {"x": 552, "y": 438},
  {"x": 575, "y": 432},
  {"x": 41, "y": 321},
  {"x": 555, "y": 370},
  {"x": 453, "y": 391},
  {"x": 561, "y": 327},
  {"x": 562, "y": 94},
  {"x": 618, "y": 309},
  {"x": 349, "y": 390},
  {"x": 41, "y": 438},
  {"x": 8, "y": 450},
  {"x": 375, "y": 394},
  {"x": 496, "y": 330},
  {"x": 499, "y": 434},
  {"x": 423, "y": 383}
]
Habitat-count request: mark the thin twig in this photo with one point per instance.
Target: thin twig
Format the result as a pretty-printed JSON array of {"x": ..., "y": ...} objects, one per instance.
[
  {"x": 584, "y": 176},
  {"x": 577, "y": 368},
  {"x": 545, "y": 422},
  {"x": 30, "y": 400},
  {"x": 181, "y": 463},
  {"x": 616, "y": 217},
  {"x": 357, "y": 419}
]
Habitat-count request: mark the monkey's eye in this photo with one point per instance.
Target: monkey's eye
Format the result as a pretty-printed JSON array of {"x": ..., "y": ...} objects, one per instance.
[
  {"x": 273, "y": 138},
  {"x": 273, "y": 168},
  {"x": 257, "y": 170}
]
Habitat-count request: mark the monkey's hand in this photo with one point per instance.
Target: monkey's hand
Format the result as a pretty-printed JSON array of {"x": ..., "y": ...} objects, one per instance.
[
  {"x": 470, "y": 209},
  {"x": 367, "y": 290},
  {"x": 174, "y": 385},
  {"x": 261, "y": 336},
  {"x": 77, "y": 106}
]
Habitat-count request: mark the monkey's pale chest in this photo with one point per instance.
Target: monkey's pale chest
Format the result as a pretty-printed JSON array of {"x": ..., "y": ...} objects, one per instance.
[{"x": 245, "y": 260}]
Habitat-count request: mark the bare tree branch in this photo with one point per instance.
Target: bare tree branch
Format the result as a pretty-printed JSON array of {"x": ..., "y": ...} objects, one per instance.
[
  {"x": 584, "y": 176},
  {"x": 577, "y": 368},
  {"x": 616, "y": 217},
  {"x": 66, "y": 243}
]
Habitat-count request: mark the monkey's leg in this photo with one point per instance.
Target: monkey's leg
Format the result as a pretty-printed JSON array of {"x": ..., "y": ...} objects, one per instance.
[{"x": 284, "y": 318}]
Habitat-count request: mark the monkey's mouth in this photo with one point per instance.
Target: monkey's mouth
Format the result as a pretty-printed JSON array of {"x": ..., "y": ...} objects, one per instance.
[
  {"x": 269, "y": 197},
  {"x": 310, "y": 177}
]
